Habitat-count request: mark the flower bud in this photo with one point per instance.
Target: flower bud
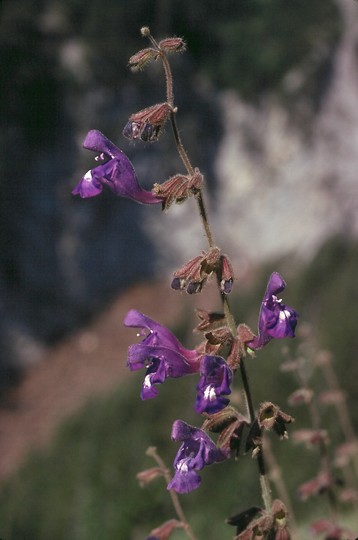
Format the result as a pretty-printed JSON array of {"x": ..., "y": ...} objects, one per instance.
[
  {"x": 172, "y": 44},
  {"x": 302, "y": 395},
  {"x": 345, "y": 453},
  {"x": 141, "y": 58},
  {"x": 209, "y": 321},
  {"x": 243, "y": 519},
  {"x": 227, "y": 275},
  {"x": 178, "y": 188},
  {"x": 148, "y": 475},
  {"x": 164, "y": 531},
  {"x": 147, "y": 123},
  {"x": 310, "y": 437},
  {"x": 331, "y": 530},
  {"x": 271, "y": 417},
  {"x": 193, "y": 275},
  {"x": 316, "y": 486},
  {"x": 244, "y": 333}
]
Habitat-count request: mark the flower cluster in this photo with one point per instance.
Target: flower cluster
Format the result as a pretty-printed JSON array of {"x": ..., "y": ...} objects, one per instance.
[
  {"x": 163, "y": 356},
  {"x": 215, "y": 361}
]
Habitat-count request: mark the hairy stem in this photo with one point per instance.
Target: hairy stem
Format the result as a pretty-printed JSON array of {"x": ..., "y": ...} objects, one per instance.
[{"x": 264, "y": 481}]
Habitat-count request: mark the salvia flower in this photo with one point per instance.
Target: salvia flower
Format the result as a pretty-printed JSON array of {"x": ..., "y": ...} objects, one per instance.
[
  {"x": 160, "y": 352},
  {"x": 214, "y": 383},
  {"x": 117, "y": 172},
  {"x": 196, "y": 451},
  {"x": 276, "y": 320}
]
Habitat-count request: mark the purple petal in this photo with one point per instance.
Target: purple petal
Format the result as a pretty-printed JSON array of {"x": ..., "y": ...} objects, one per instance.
[
  {"x": 160, "y": 352},
  {"x": 215, "y": 380},
  {"x": 118, "y": 173},
  {"x": 155, "y": 374},
  {"x": 87, "y": 187},
  {"x": 197, "y": 445},
  {"x": 196, "y": 451},
  {"x": 276, "y": 284},
  {"x": 184, "y": 481},
  {"x": 97, "y": 142},
  {"x": 160, "y": 336},
  {"x": 276, "y": 320},
  {"x": 175, "y": 363}
]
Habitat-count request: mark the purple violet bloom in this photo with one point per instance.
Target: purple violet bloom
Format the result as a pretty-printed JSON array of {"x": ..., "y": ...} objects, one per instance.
[
  {"x": 214, "y": 382},
  {"x": 117, "y": 173},
  {"x": 160, "y": 352},
  {"x": 276, "y": 320},
  {"x": 196, "y": 451}
]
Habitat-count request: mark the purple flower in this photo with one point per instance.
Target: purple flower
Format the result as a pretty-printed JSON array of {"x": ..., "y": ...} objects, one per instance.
[
  {"x": 215, "y": 380},
  {"x": 117, "y": 173},
  {"x": 160, "y": 352},
  {"x": 275, "y": 319},
  {"x": 196, "y": 451}
]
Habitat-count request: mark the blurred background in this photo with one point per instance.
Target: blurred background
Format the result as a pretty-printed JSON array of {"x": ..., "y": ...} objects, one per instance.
[{"x": 267, "y": 96}]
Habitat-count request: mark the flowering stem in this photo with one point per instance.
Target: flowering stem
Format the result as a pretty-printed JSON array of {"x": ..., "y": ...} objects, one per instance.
[
  {"x": 152, "y": 452},
  {"x": 264, "y": 481}
]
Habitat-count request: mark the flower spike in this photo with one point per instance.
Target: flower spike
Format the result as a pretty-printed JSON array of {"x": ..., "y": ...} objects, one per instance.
[{"x": 117, "y": 173}]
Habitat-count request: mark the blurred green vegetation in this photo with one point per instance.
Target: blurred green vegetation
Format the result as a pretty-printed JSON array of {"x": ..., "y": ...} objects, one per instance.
[{"x": 84, "y": 486}]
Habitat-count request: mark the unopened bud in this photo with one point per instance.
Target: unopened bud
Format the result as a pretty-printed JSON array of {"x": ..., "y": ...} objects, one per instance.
[
  {"x": 178, "y": 188},
  {"x": 141, "y": 58},
  {"x": 302, "y": 395},
  {"x": 147, "y": 123},
  {"x": 148, "y": 475},
  {"x": 173, "y": 44},
  {"x": 164, "y": 531},
  {"x": 271, "y": 417},
  {"x": 310, "y": 437},
  {"x": 193, "y": 275},
  {"x": 227, "y": 275},
  {"x": 244, "y": 333},
  {"x": 209, "y": 321}
]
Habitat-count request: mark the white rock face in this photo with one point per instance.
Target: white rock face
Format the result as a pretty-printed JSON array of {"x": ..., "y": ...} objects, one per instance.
[{"x": 279, "y": 193}]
